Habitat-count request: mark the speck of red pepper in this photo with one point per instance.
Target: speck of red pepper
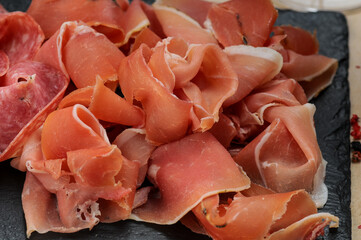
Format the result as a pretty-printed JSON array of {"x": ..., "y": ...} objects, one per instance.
[
  {"x": 356, "y": 129},
  {"x": 356, "y": 157},
  {"x": 358, "y": 66},
  {"x": 359, "y": 227}
]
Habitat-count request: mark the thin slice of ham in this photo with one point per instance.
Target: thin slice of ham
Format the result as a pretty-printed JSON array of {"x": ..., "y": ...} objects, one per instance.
[
  {"x": 135, "y": 147},
  {"x": 291, "y": 215},
  {"x": 316, "y": 73},
  {"x": 187, "y": 171},
  {"x": 178, "y": 24},
  {"x": 167, "y": 117},
  {"x": 254, "y": 67},
  {"x": 40, "y": 210},
  {"x": 118, "y": 23},
  {"x": 233, "y": 22},
  {"x": 302, "y": 62},
  {"x": 75, "y": 47},
  {"x": 269, "y": 163},
  {"x": 35, "y": 91},
  {"x": 196, "y": 9},
  {"x": 82, "y": 131}
]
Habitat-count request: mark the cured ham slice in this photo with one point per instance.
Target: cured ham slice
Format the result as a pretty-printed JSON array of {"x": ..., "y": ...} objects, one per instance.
[
  {"x": 210, "y": 86},
  {"x": 254, "y": 67},
  {"x": 93, "y": 181},
  {"x": 108, "y": 106},
  {"x": 40, "y": 210},
  {"x": 161, "y": 107},
  {"x": 134, "y": 147},
  {"x": 177, "y": 24},
  {"x": 302, "y": 62},
  {"x": 147, "y": 37},
  {"x": 105, "y": 104},
  {"x": 79, "y": 124},
  {"x": 317, "y": 74},
  {"x": 187, "y": 171},
  {"x": 35, "y": 91},
  {"x": 269, "y": 163},
  {"x": 298, "y": 39},
  {"x": 197, "y": 10},
  {"x": 224, "y": 130},
  {"x": 290, "y": 215},
  {"x": 75, "y": 47},
  {"x": 189, "y": 71},
  {"x": 95, "y": 166},
  {"x": 117, "y": 22},
  {"x": 233, "y": 22}
]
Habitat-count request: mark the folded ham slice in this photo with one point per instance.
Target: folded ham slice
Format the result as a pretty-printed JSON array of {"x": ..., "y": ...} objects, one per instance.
[
  {"x": 178, "y": 24},
  {"x": 233, "y": 22},
  {"x": 105, "y": 104},
  {"x": 79, "y": 184},
  {"x": 254, "y": 67},
  {"x": 185, "y": 172},
  {"x": 161, "y": 106},
  {"x": 79, "y": 124},
  {"x": 302, "y": 62},
  {"x": 75, "y": 47},
  {"x": 290, "y": 215},
  {"x": 117, "y": 22}
]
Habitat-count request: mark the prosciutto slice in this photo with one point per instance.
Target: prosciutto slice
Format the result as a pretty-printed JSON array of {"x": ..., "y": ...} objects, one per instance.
[
  {"x": 117, "y": 22},
  {"x": 79, "y": 184},
  {"x": 105, "y": 104},
  {"x": 185, "y": 172},
  {"x": 302, "y": 62},
  {"x": 254, "y": 67},
  {"x": 80, "y": 124},
  {"x": 161, "y": 106},
  {"x": 290, "y": 215},
  {"x": 75, "y": 47},
  {"x": 178, "y": 24},
  {"x": 233, "y": 22}
]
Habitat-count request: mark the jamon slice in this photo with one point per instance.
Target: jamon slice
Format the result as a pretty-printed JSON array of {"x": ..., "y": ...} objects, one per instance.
[
  {"x": 200, "y": 74},
  {"x": 316, "y": 73},
  {"x": 185, "y": 172},
  {"x": 298, "y": 165},
  {"x": 196, "y": 9},
  {"x": 35, "y": 91},
  {"x": 73, "y": 128},
  {"x": 254, "y": 67},
  {"x": 290, "y": 215},
  {"x": 167, "y": 117},
  {"x": 75, "y": 47},
  {"x": 118, "y": 23},
  {"x": 177, "y": 24},
  {"x": 302, "y": 62},
  {"x": 136, "y": 148},
  {"x": 234, "y": 22},
  {"x": 40, "y": 209}
]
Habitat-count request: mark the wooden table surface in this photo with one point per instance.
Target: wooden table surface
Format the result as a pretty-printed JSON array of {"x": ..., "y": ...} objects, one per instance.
[{"x": 354, "y": 24}]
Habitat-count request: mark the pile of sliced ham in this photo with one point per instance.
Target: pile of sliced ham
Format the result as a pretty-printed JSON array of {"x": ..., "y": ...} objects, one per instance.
[{"x": 191, "y": 111}]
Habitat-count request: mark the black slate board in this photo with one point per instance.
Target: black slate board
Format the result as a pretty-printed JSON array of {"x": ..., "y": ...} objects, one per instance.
[{"x": 332, "y": 126}]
